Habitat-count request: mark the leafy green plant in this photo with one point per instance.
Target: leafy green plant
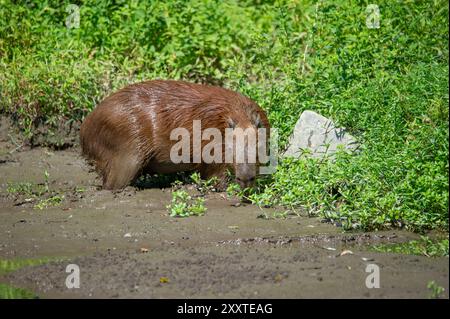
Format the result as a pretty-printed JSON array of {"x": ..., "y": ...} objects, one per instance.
[
  {"x": 49, "y": 202},
  {"x": 436, "y": 291},
  {"x": 275, "y": 215},
  {"x": 37, "y": 192},
  {"x": 184, "y": 205},
  {"x": 203, "y": 186},
  {"x": 30, "y": 189},
  {"x": 233, "y": 189},
  {"x": 9, "y": 265},
  {"x": 9, "y": 292},
  {"x": 23, "y": 188},
  {"x": 425, "y": 246},
  {"x": 80, "y": 189}
]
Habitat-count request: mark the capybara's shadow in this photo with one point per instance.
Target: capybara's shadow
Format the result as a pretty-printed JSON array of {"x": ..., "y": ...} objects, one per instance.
[{"x": 160, "y": 180}]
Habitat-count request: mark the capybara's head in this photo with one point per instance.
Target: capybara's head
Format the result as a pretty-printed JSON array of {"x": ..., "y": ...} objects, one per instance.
[
  {"x": 245, "y": 174},
  {"x": 246, "y": 141}
]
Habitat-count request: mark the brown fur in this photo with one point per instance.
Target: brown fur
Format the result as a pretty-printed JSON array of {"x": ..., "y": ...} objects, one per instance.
[{"x": 128, "y": 133}]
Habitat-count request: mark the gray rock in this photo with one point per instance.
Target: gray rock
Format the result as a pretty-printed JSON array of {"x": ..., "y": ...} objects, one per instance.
[{"x": 316, "y": 135}]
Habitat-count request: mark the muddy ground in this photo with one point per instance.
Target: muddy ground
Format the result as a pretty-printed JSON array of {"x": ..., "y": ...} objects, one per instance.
[{"x": 127, "y": 246}]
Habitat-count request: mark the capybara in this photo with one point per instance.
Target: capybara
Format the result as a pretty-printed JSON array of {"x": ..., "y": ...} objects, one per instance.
[{"x": 129, "y": 132}]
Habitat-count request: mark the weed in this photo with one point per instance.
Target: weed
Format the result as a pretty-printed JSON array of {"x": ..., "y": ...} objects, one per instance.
[
  {"x": 275, "y": 215},
  {"x": 37, "y": 192},
  {"x": 22, "y": 188},
  {"x": 49, "y": 202},
  {"x": 425, "y": 246},
  {"x": 203, "y": 186},
  {"x": 184, "y": 205},
  {"x": 9, "y": 265},
  {"x": 9, "y": 292},
  {"x": 436, "y": 291}
]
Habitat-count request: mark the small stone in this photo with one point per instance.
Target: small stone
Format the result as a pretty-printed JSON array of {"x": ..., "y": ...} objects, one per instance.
[
  {"x": 318, "y": 136},
  {"x": 278, "y": 278},
  {"x": 346, "y": 252}
]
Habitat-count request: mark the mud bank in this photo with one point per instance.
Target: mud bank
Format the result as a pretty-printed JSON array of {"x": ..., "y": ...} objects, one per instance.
[{"x": 127, "y": 246}]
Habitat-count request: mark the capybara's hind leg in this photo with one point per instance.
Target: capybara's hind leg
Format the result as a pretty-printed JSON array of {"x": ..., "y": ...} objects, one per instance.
[{"x": 121, "y": 171}]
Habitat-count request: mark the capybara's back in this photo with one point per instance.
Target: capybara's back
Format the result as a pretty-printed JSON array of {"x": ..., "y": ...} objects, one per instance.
[{"x": 128, "y": 133}]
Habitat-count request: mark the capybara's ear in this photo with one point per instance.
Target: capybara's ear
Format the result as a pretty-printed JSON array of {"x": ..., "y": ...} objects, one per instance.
[{"x": 231, "y": 123}]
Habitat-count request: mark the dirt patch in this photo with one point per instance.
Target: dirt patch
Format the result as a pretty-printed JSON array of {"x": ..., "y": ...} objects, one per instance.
[
  {"x": 127, "y": 246},
  {"x": 247, "y": 271},
  {"x": 59, "y": 136}
]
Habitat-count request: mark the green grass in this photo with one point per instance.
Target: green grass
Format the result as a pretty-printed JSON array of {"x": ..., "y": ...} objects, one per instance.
[
  {"x": 9, "y": 265},
  {"x": 435, "y": 291},
  {"x": 28, "y": 188},
  {"x": 55, "y": 200},
  {"x": 423, "y": 247},
  {"x": 39, "y": 193},
  {"x": 387, "y": 86},
  {"x": 8, "y": 292},
  {"x": 24, "y": 188}
]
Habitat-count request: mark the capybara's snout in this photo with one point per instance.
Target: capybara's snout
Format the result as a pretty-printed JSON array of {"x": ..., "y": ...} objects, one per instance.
[{"x": 245, "y": 174}]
